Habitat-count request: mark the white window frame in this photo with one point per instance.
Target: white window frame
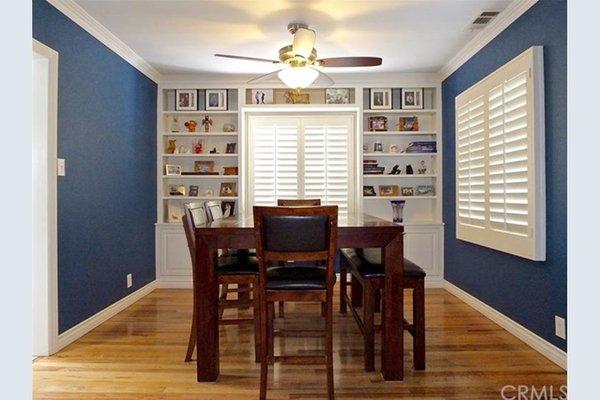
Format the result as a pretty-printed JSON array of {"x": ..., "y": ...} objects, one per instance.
[
  {"x": 531, "y": 245},
  {"x": 350, "y": 112}
]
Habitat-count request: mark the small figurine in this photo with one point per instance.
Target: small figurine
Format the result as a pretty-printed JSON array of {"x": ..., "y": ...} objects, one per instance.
[
  {"x": 228, "y": 128},
  {"x": 214, "y": 151},
  {"x": 198, "y": 147},
  {"x": 172, "y": 146},
  {"x": 175, "y": 124},
  {"x": 209, "y": 192},
  {"x": 207, "y": 123},
  {"x": 422, "y": 168},
  {"x": 183, "y": 150},
  {"x": 409, "y": 169},
  {"x": 191, "y": 125},
  {"x": 394, "y": 148},
  {"x": 396, "y": 170}
]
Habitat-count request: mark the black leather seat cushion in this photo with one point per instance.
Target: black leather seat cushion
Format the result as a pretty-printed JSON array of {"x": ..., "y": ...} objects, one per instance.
[
  {"x": 237, "y": 264},
  {"x": 372, "y": 270},
  {"x": 304, "y": 277}
]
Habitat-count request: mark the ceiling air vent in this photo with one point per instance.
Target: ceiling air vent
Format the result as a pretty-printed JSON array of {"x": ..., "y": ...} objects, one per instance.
[{"x": 484, "y": 18}]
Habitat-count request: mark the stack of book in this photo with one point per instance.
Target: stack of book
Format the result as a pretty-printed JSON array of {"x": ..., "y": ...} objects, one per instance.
[
  {"x": 371, "y": 167},
  {"x": 422, "y": 147}
]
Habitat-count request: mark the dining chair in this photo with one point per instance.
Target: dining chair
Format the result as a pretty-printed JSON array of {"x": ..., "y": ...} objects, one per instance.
[
  {"x": 294, "y": 203},
  {"x": 370, "y": 276},
  {"x": 300, "y": 235},
  {"x": 240, "y": 269}
]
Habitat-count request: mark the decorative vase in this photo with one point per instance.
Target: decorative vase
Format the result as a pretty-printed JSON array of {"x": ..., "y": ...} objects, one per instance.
[{"x": 397, "y": 209}]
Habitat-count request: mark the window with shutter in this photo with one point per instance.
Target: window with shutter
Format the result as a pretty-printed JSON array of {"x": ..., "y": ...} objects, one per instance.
[
  {"x": 301, "y": 157},
  {"x": 500, "y": 173}
]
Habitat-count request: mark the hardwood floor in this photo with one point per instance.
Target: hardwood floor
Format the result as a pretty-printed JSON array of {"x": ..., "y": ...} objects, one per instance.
[{"x": 138, "y": 354}]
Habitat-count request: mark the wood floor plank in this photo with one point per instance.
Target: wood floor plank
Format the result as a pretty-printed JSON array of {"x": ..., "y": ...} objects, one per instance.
[{"x": 138, "y": 354}]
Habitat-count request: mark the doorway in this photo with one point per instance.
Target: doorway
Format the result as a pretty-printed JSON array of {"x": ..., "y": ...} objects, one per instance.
[{"x": 44, "y": 210}]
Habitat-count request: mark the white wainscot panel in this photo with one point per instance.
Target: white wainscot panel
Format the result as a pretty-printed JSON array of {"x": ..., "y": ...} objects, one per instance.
[
  {"x": 173, "y": 257},
  {"x": 423, "y": 246}
]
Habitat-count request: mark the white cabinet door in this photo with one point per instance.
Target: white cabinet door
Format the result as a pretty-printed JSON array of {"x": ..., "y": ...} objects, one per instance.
[
  {"x": 422, "y": 245},
  {"x": 173, "y": 257}
]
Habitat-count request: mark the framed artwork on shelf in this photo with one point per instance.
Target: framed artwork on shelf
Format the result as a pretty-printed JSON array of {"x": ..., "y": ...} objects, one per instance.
[
  {"x": 175, "y": 212},
  {"x": 425, "y": 190},
  {"x": 230, "y": 170},
  {"x": 378, "y": 123},
  {"x": 408, "y": 191},
  {"x": 381, "y": 99},
  {"x": 186, "y": 100},
  {"x": 337, "y": 96},
  {"x": 408, "y": 124},
  {"x": 216, "y": 99},
  {"x": 172, "y": 169},
  {"x": 193, "y": 192},
  {"x": 204, "y": 167},
  {"x": 228, "y": 208},
  {"x": 262, "y": 96},
  {"x": 369, "y": 191},
  {"x": 388, "y": 190},
  {"x": 230, "y": 149},
  {"x": 412, "y": 99},
  {"x": 228, "y": 189}
]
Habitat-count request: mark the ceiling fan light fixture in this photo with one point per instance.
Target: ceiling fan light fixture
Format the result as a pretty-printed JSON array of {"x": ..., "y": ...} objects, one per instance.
[{"x": 298, "y": 77}]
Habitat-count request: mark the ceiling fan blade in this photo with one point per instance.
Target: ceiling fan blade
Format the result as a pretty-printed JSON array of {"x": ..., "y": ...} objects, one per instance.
[
  {"x": 248, "y": 58},
  {"x": 323, "y": 80},
  {"x": 350, "y": 62},
  {"x": 264, "y": 77},
  {"x": 304, "y": 41}
]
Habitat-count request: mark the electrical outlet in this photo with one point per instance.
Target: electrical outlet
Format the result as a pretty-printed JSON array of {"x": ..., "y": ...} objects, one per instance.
[
  {"x": 60, "y": 165},
  {"x": 129, "y": 280},
  {"x": 560, "y": 327}
]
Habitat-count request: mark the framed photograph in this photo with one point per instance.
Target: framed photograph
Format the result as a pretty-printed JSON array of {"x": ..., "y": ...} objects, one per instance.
[
  {"x": 296, "y": 97},
  {"x": 204, "y": 167},
  {"x": 381, "y": 99},
  {"x": 337, "y": 96},
  {"x": 175, "y": 212},
  {"x": 228, "y": 208},
  {"x": 228, "y": 189},
  {"x": 408, "y": 124},
  {"x": 377, "y": 146},
  {"x": 412, "y": 99},
  {"x": 262, "y": 96},
  {"x": 172, "y": 169},
  {"x": 425, "y": 190},
  {"x": 193, "y": 192},
  {"x": 230, "y": 170},
  {"x": 378, "y": 123},
  {"x": 408, "y": 191},
  {"x": 388, "y": 190},
  {"x": 231, "y": 148},
  {"x": 369, "y": 191},
  {"x": 216, "y": 99},
  {"x": 186, "y": 100}
]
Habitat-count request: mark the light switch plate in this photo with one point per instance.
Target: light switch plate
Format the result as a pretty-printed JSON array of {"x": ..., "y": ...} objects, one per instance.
[
  {"x": 560, "y": 327},
  {"x": 61, "y": 167}
]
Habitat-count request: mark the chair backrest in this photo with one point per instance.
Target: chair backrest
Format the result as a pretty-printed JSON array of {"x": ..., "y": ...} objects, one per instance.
[
  {"x": 298, "y": 202},
  {"x": 198, "y": 213},
  {"x": 188, "y": 228},
  {"x": 296, "y": 234},
  {"x": 214, "y": 210}
]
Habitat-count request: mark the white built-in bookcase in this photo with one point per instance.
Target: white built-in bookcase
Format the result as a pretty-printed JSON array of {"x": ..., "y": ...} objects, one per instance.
[{"x": 422, "y": 215}]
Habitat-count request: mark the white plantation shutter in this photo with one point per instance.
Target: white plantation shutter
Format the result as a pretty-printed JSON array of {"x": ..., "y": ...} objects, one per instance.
[
  {"x": 500, "y": 173},
  {"x": 301, "y": 157}
]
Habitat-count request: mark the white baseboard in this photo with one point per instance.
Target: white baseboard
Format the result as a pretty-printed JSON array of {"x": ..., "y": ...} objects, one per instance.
[
  {"x": 545, "y": 348},
  {"x": 71, "y": 335}
]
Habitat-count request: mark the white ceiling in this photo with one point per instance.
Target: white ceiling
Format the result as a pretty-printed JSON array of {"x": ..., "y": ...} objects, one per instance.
[{"x": 180, "y": 37}]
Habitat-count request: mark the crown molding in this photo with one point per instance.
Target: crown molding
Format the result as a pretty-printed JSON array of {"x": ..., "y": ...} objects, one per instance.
[
  {"x": 496, "y": 26},
  {"x": 78, "y": 15}
]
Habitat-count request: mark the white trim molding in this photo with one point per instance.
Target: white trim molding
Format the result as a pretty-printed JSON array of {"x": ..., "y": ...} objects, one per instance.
[
  {"x": 71, "y": 335},
  {"x": 78, "y": 15},
  {"x": 496, "y": 26},
  {"x": 542, "y": 346}
]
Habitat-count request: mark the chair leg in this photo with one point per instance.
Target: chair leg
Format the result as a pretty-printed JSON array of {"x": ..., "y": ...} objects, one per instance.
[
  {"x": 324, "y": 310},
  {"x": 223, "y": 297},
  {"x": 271, "y": 323},
  {"x": 329, "y": 344},
  {"x": 377, "y": 300},
  {"x": 343, "y": 283},
  {"x": 192, "y": 340},
  {"x": 281, "y": 309},
  {"x": 419, "y": 325},
  {"x": 369, "y": 336},
  {"x": 244, "y": 294},
  {"x": 356, "y": 293},
  {"x": 256, "y": 316},
  {"x": 264, "y": 366}
]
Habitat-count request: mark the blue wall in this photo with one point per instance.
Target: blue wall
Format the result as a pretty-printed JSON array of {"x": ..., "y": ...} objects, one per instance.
[
  {"x": 531, "y": 293},
  {"x": 106, "y": 201}
]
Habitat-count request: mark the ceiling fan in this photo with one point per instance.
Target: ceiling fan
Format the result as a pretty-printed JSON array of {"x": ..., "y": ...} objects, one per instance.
[{"x": 300, "y": 60}]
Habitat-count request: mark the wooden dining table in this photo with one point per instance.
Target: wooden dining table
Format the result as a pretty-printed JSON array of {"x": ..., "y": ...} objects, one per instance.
[{"x": 356, "y": 230}]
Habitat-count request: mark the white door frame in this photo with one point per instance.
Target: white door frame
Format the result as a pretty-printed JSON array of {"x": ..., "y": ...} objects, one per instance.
[{"x": 45, "y": 281}]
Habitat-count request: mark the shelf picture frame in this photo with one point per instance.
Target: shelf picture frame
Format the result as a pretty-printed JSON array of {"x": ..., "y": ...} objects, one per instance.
[
  {"x": 337, "y": 96},
  {"x": 172, "y": 169},
  {"x": 216, "y": 99},
  {"x": 204, "y": 167},
  {"x": 380, "y": 99},
  {"x": 262, "y": 96},
  {"x": 412, "y": 99},
  {"x": 388, "y": 190},
  {"x": 186, "y": 100},
  {"x": 228, "y": 189}
]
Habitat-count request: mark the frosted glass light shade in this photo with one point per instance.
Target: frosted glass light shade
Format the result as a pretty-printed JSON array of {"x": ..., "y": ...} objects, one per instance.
[{"x": 298, "y": 77}]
